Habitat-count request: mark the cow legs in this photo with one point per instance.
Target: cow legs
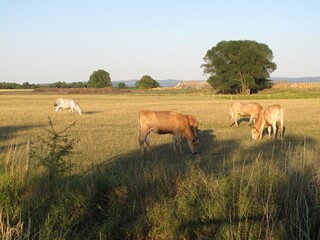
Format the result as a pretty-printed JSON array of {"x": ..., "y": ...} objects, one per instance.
[
  {"x": 281, "y": 132},
  {"x": 177, "y": 139},
  {"x": 274, "y": 127},
  {"x": 274, "y": 131},
  {"x": 144, "y": 139},
  {"x": 58, "y": 109},
  {"x": 234, "y": 118},
  {"x": 252, "y": 120},
  {"x": 261, "y": 131},
  {"x": 269, "y": 131}
]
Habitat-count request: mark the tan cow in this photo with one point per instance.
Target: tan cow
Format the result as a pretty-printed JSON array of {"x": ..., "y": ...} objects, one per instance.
[
  {"x": 244, "y": 109},
  {"x": 269, "y": 117},
  {"x": 166, "y": 122}
]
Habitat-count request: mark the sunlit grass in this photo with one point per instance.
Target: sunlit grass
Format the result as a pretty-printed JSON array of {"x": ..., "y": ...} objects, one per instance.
[{"x": 235, "y": 188}]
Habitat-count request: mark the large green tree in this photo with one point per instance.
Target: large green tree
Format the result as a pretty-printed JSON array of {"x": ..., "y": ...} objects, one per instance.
[
  {"x": 99, "y": 79},
  {"x": 146, "y": 82},
  {"x": 239, "y": 66}
]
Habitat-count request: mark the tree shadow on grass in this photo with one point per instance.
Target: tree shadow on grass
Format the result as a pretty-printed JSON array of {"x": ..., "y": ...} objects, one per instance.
[
  {"x": 7, "y": 132},
  {"x": 281, "y": 151},
  {"x": 295, "y": 197},
  {"x": 119, "y": 193}
]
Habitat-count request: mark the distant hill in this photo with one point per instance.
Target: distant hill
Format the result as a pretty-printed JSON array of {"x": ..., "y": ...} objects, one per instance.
[
  {"x": 174, "y": 82},
  {"x": 163, "y": 83},
  {"x": 297, "y": 80}
]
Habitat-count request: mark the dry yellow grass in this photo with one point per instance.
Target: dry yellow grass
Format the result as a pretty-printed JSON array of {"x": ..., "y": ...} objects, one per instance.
[
  {"x": 108, "y": 128},
  {"x": 241, "y": 183}
]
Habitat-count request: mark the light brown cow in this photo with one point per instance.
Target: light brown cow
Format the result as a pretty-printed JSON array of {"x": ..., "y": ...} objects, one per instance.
[
  {"x": 244, "y": 109},
  {"x": 166, "y": 122},
  {"x": 269, "y": 117}
]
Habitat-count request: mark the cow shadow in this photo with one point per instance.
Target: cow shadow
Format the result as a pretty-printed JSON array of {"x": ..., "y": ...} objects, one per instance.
[
  {"x": 279, "y": 151},
  {"x": 206, "y": 141},
  {"x": 7, "y": 132},
  {"x": 241, "y": 120},
  {"x": 91, "y": 112}
]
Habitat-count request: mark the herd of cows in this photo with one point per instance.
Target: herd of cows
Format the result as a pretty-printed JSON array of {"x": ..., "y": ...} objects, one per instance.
[{"x": 182, "y": 126}]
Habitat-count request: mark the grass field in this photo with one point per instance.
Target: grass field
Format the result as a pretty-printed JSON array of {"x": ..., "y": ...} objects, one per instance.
[{"x": 235, "y": 188}]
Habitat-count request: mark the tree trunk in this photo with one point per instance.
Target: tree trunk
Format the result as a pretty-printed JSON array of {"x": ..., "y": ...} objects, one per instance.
[{"x": 245, "y": 91}]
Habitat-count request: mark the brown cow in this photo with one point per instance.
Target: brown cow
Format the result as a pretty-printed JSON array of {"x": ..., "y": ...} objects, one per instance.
[
  {"x": 269, "y": 117},
  {"x": 244, "y": 109},
  {"x": 166, "y": 122}
]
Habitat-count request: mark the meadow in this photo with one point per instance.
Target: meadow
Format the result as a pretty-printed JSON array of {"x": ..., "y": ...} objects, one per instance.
[{"x": 234, "y": 188}]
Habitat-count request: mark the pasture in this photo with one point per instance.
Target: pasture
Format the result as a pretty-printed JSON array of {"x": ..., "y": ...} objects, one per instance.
[{"x": 235, "y": 188}]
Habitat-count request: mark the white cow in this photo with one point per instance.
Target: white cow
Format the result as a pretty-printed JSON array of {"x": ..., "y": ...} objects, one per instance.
[{"x": 73, "y": 105}]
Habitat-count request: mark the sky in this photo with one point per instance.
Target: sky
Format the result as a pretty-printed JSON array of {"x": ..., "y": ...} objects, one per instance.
[{"x": 44, "y": 41}]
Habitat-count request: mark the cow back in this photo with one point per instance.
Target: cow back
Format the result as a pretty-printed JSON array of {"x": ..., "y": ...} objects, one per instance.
[
  {"x": 246, "y": 108},
  {"x": 163, "y": 121}
]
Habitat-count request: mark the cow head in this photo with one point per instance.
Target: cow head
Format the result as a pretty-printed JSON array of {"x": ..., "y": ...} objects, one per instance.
[
  {"x": 255, "y": 133},
  {"x": 194, "y": 144}
]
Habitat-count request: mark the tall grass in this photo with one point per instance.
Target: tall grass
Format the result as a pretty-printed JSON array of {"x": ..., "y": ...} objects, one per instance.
[{"x": 235, "y": 188}]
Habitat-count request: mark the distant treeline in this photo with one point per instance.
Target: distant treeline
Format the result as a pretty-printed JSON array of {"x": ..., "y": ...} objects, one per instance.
[{"x": 26, "y": 85}]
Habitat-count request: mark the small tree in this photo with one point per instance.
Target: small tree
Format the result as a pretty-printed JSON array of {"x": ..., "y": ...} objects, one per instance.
[
  {"x": 122, "y": 85},
  {"x": 26, "y": 85},
  {"x": 146, "y": 82},
  {"x": 99, "y": 79},
  {"x": 53, "y": 151}
]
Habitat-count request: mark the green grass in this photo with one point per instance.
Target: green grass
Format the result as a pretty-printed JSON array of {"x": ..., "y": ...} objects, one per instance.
[{"x": 235, "y": 188}]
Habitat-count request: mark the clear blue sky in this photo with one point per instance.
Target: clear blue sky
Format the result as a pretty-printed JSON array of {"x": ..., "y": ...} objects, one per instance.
[{"x": 66, "y": 40}]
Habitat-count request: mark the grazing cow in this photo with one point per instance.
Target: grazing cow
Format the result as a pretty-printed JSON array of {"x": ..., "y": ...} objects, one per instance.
[
  {"x": 67, "y": 103},
  {"x": 244, "y": 109},
  {"x": 166, "y": 122},
  {"x": 269, "y": 117}
]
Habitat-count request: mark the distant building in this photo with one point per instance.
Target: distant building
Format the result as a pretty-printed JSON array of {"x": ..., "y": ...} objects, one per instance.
[{"x": 192, "y": 84}]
